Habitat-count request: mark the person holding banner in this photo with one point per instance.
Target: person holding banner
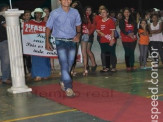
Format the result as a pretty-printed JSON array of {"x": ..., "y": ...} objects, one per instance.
[
  {"x": 65, "y": 23},
  {"x": 40, "y": 65},
  {"x": 27, "y": 58},
  {"x": 4, "y": 52}
]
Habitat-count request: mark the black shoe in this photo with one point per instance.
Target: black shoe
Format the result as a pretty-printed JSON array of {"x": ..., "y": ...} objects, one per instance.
[
  {"x": 94, "y": 68},
  {"x": 88, "y": 67}
]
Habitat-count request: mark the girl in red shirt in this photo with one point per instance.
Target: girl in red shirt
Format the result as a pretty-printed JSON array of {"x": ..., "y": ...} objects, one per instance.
[
  {"x": 88, "y": 28},
  {"x": 105, "y": 28},
  {"x": 128, "y": 28}
]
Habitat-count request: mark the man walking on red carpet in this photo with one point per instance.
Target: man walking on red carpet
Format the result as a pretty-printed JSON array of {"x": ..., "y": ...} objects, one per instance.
[{"x": 65, "y": 23}]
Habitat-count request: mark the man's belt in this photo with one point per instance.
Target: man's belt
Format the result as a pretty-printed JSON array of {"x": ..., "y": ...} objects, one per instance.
[{"x": 64, "y": 39}]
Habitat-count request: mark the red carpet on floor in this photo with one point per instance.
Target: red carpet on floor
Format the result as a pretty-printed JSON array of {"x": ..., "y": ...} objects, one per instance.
[{"x": 103, "y": 103}]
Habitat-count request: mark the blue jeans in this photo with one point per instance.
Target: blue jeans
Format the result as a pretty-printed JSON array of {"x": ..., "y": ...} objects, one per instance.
[
  {"x": 66, "y": 54},
  {"x": 143, "y": 54},
  {"x": 5, "y": 61}
]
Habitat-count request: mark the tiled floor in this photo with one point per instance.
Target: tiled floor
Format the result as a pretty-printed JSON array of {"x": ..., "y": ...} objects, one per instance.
[{"x": 30, "y": 108}]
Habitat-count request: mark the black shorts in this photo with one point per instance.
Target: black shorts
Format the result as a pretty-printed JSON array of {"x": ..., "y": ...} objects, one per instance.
[{"x": 91, "y": 38}]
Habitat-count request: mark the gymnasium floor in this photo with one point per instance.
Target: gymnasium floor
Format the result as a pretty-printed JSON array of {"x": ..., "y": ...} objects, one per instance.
[{"x": 30, "y": 108}]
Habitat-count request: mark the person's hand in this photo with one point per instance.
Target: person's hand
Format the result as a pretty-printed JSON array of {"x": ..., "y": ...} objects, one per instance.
[
  {"x": 108, "y": 37},
  {"x": 131, "y": 35},
  {"x": 112, "y": 42},
  {"x": 86, "y": 31},
  {"x": 77, "y": 38},
  {"x": 48, "y": 46}
]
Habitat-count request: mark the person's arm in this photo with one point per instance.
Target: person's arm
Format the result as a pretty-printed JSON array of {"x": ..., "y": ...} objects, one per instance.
[
  {"x": 48, "y": 45},
  {"x": 92, "y": 28},
  {"x": 122, "y": 27},
  {"x": 4, "y": 25},
  {"x": 112, "y": 38},
  {"x": 157, "y": 31},
  {"x": 99, "y": 32},
  {"x": 78, "y": 34},
  {"x": 2, "y": 21},
  {"x": 135, "y": 28},
  {"x": 112, "y": 26},
  {"x": 78, "y": 27}
]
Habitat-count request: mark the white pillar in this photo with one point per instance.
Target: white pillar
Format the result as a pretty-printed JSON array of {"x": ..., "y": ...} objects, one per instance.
[
  {"x": 15, "y": 51},
  {"x": 54, "y": 4}
]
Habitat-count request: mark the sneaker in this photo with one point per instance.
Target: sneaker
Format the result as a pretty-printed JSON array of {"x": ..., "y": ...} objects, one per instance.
[
  {"x": 70, "y": 93},
  {"x": 62, "y": 86},
  {"x": 73, "y": 73},
  {"x": 147, "y": 67},
  {"x": 105, "y": 70},
  {"x": 113, "y": 70},
  {"x": 149, "y": 59}
]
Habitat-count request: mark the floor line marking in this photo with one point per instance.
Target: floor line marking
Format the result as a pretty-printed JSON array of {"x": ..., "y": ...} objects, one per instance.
[
  {"x": 151, "y": 95},
  {"x": 40, "y": 115}
]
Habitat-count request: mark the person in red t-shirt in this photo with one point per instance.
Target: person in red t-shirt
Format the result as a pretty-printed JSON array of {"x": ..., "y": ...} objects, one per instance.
[
  {"x": 128, "y": 28},
  {"x": 105, "y": 28},
  {"x": 97, "y": 18},
  {"x": 88, "y": 28}
]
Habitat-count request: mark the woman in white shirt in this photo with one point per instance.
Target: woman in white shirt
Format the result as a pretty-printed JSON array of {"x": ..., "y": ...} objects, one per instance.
[{"x": 156, "y": 38}]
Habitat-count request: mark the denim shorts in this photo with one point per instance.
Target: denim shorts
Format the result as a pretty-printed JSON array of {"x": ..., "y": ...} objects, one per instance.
[{"x": 85, "y": 38}]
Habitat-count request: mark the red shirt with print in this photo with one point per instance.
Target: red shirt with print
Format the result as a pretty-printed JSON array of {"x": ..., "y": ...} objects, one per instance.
[
  {"x": 105, "y": 27},
  {"x": 88, "y": 28},
  {"x": 130, "y": 29}
]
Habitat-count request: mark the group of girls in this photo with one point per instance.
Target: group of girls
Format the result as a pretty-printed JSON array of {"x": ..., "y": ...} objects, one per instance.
[{"x": 147, "y": 35}]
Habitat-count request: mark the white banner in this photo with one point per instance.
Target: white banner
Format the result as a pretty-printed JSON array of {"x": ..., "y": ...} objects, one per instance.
[
  {"x": 34, "y": 44},
  {"x": 34, "y": 40}
]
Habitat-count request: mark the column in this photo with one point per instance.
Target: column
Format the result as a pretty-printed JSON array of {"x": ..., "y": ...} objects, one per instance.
[
  {"x": 54, "y": 4},
  {"x": 15, "y": 51}
]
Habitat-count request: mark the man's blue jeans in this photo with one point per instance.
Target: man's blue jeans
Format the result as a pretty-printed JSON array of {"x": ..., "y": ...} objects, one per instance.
[
  {"x": 66, "y": 54},
  {"x": 5, "y": 61}
]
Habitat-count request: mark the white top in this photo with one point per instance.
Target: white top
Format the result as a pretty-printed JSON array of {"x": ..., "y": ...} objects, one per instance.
[{"x": 156, "y": 37}]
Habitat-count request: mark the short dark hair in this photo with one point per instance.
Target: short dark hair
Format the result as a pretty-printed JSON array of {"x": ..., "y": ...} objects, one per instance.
[
  {"x": 2, "y": 6},
  {"x": 155, "y": 15},
  {"x": 26, "y": 11}
]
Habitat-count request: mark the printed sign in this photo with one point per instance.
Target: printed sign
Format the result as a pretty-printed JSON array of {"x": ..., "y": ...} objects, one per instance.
[{"x": 34, "y": 40}]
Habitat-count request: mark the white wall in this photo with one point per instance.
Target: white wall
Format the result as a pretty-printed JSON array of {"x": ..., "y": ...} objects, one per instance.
[{"x": 54, "y": 4}]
